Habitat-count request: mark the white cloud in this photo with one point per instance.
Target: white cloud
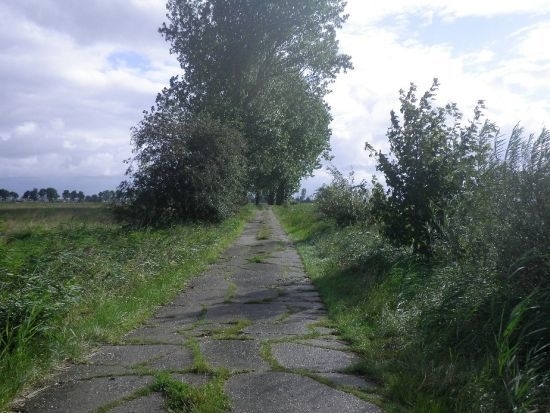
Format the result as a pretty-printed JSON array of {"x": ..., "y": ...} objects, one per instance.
[
  {"x": 533, "y": 44},
  {"x": 57, "y": 72},
  {"x": 365, "y": 13},
  {"x": 26, "y": 128}
]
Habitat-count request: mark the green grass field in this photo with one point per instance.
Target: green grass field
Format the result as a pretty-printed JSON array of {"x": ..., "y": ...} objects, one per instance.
[{"x": 72, "y": 278}]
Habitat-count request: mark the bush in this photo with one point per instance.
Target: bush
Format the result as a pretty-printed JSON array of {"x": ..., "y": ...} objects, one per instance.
[
  {"x": 344, "y": 201},
  {"x": 188, "y": 169},
  {"x": 433, "y": 157},
  {"x": 467, "y": 330}
]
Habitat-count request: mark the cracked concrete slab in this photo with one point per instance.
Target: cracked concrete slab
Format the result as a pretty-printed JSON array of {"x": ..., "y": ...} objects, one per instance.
[
  {"x": 349, "y": 380},
  {"x": 315, "y": 359},
  {"x": 177, "y": 360},
  {"x": 283, "y": 329},
  {"x": 155, "y": 334},
  {"x": 128, "y": 355},
  {"x": 234, "y": 354},
  {"x": 276, "y": 392},
  {"x": 326, "y": 342},
  {"x": 154, "y": 403},
  {"x": 85, "y": 396},
  {"x": 90, "y": 371},
  {"x": 224, "y": 313}
]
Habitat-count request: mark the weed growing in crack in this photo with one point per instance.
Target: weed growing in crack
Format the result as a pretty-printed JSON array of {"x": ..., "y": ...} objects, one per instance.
[
  {"x": 200, "y": 365},
  {"x": 185, "y": 398},
  {"x": 264, "y": 233},
  {"x": 267, "y": 355},
  {"x": 234, "y": 331},
  {"x": 202, "y": 313},
  {"x": 230, "y": 293},
  {"x": 258, "y": 258}
]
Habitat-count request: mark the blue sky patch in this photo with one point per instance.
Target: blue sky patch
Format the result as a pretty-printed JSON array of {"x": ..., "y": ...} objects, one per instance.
[
  {"x": 129, "y": 59},
  {"x": 466, "y": 34}
]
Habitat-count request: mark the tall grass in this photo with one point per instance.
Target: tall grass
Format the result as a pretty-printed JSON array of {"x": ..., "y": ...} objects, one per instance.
[{"x": 71, "y": 278}]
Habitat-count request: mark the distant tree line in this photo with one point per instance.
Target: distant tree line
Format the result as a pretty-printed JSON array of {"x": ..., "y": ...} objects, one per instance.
[
  {"x": 6, "y": 195},
  {"x": 52, "y": 195}
]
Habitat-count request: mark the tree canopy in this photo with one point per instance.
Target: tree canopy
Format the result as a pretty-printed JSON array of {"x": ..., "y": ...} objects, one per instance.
[
  {"x": 231, "y": 50},
  {"x": 7, "y": 195}
]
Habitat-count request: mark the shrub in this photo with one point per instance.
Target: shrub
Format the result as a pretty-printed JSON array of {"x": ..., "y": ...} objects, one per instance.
[
  {"x": 433, "y": 157},
  {"x": 343, "y": 200},
  {"x": 186, "y": 169}
]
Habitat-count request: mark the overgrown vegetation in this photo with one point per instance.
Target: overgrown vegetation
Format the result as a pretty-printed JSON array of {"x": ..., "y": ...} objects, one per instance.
[
  {"x": 455, "y": 314},
  {"x": 70, "y": 278},
  {"x": 344, "y": 200},
  {"x": 186, "y": 168}
]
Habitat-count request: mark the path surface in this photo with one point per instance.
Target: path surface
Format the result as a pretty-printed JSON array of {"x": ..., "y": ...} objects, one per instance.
[{"x": 254, "y": 313}]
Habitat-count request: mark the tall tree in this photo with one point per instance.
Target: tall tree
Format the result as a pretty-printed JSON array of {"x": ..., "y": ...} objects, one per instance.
[
  {"x": 106, "y": 196},
  {"x": 287, "y": 130},
  {"x": 266, "y": 65},
  {"x": 257, "y": 69},
  {"x": 52, "y": 194},
  {"x": 6, "y": 195},
  {"x": 33, "y": 195},
  {"x": 42, "y": 193}
]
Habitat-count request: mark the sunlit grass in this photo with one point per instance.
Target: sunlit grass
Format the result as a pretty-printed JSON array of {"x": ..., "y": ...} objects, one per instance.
[
  {"x": 352, "y": 299},
  {"x": 185, "y": 398},
  {"x": 18, "y": 217},
  {"x": 259, "y": 258}
]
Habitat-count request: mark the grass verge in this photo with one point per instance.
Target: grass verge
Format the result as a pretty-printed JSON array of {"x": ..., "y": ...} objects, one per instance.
[
  {"x": 438, "y": 336},
  {"x": 69, "y": 282},
  {"x": 354, "y": 297}
]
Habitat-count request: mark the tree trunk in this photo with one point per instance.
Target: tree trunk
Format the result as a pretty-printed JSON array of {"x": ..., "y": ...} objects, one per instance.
[{"x": 281, "y": 195}]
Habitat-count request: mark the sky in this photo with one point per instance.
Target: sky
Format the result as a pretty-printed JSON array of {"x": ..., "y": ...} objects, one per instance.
[{"x": 75, "y": 76}]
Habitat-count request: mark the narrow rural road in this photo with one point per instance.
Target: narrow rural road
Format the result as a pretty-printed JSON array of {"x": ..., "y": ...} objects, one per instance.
[{"x": 254, "y": 313}]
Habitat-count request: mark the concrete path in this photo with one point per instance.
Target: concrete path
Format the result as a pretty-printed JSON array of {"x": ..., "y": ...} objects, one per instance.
[{"x": 254, "y": 314}]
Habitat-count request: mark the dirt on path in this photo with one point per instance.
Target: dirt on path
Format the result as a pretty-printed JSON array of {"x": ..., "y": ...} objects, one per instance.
[{"x": 252, "y": 319}]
